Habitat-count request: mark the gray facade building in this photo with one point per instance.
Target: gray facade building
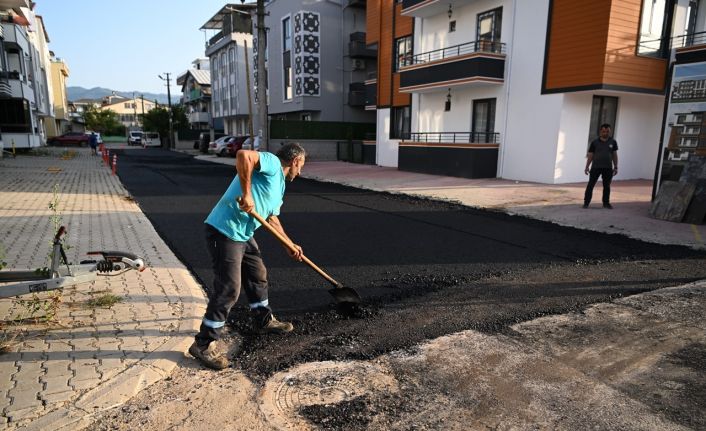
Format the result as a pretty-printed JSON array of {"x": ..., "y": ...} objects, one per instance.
[{"x": 316, "y": 65}]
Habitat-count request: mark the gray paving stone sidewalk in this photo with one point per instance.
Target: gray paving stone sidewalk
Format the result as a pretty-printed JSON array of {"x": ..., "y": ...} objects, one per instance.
[{"x": 87, "y": 358}]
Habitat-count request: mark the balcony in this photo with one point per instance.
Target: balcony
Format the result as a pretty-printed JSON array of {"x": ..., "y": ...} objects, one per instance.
[
  {"x": 456, "y": 154},
  {"x": 199, "y": 117},
  {"x": 357, "y": 47},
  {"x": 474, "y": 63},
  {"x": 427, "y": 8},
  {"x": 492, "y": 138},
  {"x": 15, "y": 36},
  {"x": 357, "y": 3}
]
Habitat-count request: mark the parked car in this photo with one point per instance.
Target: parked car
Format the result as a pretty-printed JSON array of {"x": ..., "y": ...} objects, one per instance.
[
  {"x": 70, "y": 138},
  {"x": 98, "y": 136},
  {"x": 235, "y": 144},
  {"x": 151, "y": 139},
  {"x": 218, "y": 147},
  {"x": 205, "y": 140},
  {"x": 134, "y": 137},
  {"x": 247, "y": 145}
]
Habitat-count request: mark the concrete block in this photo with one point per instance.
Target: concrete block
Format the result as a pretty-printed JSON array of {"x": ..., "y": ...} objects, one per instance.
[{"x": 672, "y": 201}]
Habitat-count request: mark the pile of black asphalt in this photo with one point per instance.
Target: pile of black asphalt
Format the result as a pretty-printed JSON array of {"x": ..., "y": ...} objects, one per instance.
[{"x": 424, "y": 268}]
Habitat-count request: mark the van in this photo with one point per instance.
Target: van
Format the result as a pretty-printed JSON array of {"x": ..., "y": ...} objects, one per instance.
[
  {"x": 151, "y": 139},
  {"x": 134, "y": 137}
]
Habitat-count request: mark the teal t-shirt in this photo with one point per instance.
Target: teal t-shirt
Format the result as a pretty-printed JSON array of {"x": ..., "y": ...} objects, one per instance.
[{"x": 267, "y": 190}]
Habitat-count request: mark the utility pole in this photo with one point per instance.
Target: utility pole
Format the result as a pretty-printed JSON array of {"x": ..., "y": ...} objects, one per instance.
[
  {"x": 261, "y": 75},
  {"x": 169, "y": 99}
]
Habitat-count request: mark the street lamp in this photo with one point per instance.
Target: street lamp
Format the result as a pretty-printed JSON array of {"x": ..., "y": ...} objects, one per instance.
[{"x": 169, "y": 99}]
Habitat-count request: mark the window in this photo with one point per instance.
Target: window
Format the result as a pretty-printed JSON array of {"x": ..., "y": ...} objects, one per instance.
[
  {"x": 401, "y": 122},
  {"x": 286, "y": 34},
  {"x": 483, "y": 123},
  {"x": 488, "y": 29},
  {"x": 287, "y": 58},
  {"x": 452, "y": 26},
  {"x": 14, "y": 116},
  {"x": 655, "y": 27},
  {"x": 603, "y": 111},
  {"x": 306, "y": 117},
  {"x": 403, "y": 52}
]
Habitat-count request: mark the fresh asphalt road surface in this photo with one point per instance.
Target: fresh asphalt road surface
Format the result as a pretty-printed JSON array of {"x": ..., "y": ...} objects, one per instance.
[{"x": 424, "y": 268}]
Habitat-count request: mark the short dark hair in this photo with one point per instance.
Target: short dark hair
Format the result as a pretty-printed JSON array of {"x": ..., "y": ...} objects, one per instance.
[
  {"x": 605, "y": 126},
  {"x": 291, "y": 151}
]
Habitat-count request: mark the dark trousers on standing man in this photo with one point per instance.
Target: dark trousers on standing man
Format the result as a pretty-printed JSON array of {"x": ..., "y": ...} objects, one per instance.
[
  {"x": 234, "y": 264},
  {"x": 607, "y": 176}
]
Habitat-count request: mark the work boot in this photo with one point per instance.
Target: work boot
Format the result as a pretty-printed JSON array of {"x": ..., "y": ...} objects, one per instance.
[
  {"x": 274, "y": 326},
  {"x": 211, "y": 356}
]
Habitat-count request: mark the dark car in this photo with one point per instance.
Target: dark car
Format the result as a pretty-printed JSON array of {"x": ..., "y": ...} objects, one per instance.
[
  {"x": 71, "y": 138},
  {"x": 235, "y": 144}
]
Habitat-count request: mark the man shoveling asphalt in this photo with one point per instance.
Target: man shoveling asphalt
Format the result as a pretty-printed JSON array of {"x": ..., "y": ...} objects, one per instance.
[{"x": 234, "y": 252}]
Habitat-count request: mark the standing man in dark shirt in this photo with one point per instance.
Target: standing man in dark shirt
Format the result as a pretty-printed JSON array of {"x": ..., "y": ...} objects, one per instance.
[{"x": 602, "y": 159}]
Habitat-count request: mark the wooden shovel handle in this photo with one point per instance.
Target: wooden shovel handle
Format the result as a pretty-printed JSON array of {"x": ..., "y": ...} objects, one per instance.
[{"x": 289, "y": 245}]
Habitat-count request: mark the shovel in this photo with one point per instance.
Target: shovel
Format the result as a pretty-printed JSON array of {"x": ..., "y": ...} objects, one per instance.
[{"x": 342, "y": 295}]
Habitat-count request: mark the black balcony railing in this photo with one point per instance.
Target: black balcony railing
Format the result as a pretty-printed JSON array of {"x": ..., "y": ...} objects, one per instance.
[
  {"x": 455, "y": 51},
  {"x": 689, "y": 39},
  {"x": 455, "y": 137}
]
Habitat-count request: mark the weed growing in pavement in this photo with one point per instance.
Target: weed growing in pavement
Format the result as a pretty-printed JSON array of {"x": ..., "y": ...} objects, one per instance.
[
  {"x": 106, "y": 300},
  {"x": 37, "y": 309},
  {"x": 56, "y": 221}
]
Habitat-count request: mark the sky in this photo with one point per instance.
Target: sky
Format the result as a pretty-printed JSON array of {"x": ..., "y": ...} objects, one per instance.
[{"x": 124, "y": 44}]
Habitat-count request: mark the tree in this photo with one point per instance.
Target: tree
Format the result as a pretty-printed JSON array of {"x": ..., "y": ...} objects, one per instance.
[
  {"x": 157, "y": 120},
  {"x": 103, "y": 121}
]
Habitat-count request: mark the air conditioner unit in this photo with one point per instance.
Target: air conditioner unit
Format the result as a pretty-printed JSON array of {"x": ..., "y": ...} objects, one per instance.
[{"x": 358, "y": 64}]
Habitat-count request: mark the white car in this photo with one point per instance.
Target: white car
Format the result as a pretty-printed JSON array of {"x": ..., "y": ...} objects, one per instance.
[
  {"x": 99, "y": 139},
  {"x": 247, "y": 145},
  {"x": 218, "y": 147},
  {"x": 151, "y": 139}
]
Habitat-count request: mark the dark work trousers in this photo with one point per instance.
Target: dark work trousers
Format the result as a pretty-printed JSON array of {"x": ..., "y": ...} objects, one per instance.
[
  {"x": 234, "y": 263},
  {"x": 607, "y": 175}
]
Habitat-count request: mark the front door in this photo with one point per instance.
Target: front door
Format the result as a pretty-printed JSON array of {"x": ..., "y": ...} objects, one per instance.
[
  {"x": 483, "y": 122},
  {"x": 488, "y": 26}
]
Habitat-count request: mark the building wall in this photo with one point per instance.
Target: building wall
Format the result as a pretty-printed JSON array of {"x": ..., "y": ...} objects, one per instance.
[
  {"x": 335, "y": 67},
  {"x": 529, "y": 142}
]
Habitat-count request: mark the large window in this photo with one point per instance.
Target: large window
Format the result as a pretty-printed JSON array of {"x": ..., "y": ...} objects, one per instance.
[
  {"x": 488, "y": 29},
  {"x": 603, "y": 111},
  {"x": 655, "y": 27},
  {"x": 401, "y": 122},
  {"x": 403, "y": 52},
  {"x": 287, "y": 58},
  {"x": 14, "y": 116},
  {"x": 483, "y": 123}
]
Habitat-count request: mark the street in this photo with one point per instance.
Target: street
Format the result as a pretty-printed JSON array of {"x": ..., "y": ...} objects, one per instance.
[{"x": 424, "y": 269}]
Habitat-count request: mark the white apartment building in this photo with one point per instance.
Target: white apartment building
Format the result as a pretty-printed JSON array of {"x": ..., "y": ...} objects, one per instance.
[
  {"x": 25, "y": 69},
  {"x": 228, "y": 51},
  {"x": 517, "y": 89}
]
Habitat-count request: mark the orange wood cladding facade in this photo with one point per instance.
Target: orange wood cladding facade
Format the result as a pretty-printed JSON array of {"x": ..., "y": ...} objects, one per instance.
[
  {"x": 593, "y": 45},
  {"x": 384, "y": 24}
]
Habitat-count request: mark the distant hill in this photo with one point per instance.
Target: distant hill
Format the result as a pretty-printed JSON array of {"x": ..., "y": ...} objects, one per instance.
[{"x": 76, "y": 93}]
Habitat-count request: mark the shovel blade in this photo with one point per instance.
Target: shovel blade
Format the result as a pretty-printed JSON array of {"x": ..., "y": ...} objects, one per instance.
[{"x": 345, "y": 295}]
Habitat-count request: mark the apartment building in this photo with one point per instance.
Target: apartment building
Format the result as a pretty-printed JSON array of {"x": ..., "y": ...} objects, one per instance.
[
  {"x": 228, "y": 50},
  {"x": 25, "y": 105},
  {"x": 196, "y": 94},
  {"x": 61, "y": 122},
  {"x": 514, "y": 89},
  {"x": 128, "y": 110},
  {"x": 318, "y": 61}
]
